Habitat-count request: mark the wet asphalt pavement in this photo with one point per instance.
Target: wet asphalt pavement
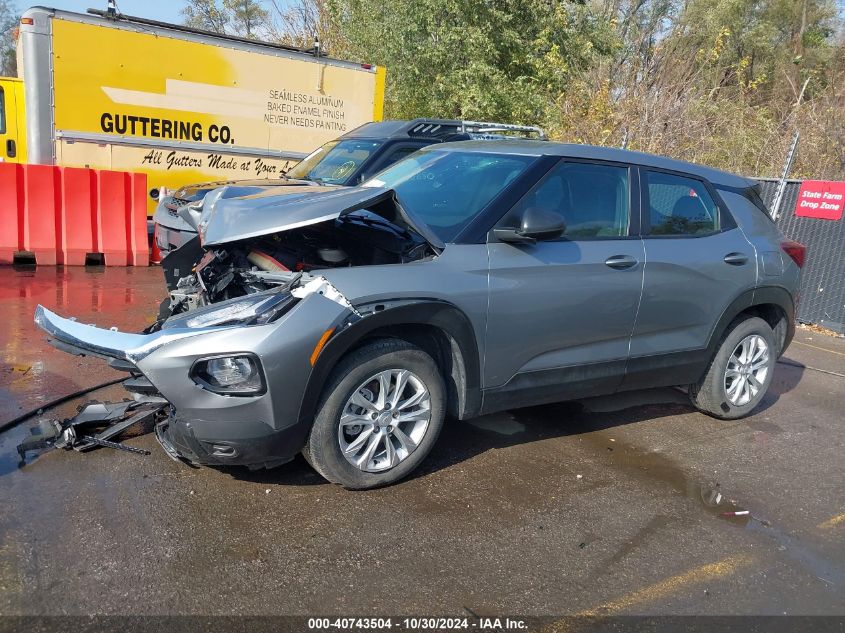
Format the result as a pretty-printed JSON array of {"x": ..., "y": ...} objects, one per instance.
[{"x": 609, "y": 506}]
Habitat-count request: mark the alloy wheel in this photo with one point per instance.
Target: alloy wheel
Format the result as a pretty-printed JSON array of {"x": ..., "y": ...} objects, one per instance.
[
  {"x": 747, "y": 369},
  {"x": 384, "y": 420}
]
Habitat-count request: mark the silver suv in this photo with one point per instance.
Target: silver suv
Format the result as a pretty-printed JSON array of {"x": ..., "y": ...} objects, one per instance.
[{"x": 468, "y": 278}]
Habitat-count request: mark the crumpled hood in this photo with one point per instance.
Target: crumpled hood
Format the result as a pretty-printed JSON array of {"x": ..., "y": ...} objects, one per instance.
[
  {"x": 167, "y": 211},
  {"x": 285, "y": 208},
  {"x": 196, "y": 191}
]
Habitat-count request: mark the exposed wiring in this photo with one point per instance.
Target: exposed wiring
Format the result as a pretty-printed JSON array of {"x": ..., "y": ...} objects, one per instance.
[{"x": 54, "y": 403}]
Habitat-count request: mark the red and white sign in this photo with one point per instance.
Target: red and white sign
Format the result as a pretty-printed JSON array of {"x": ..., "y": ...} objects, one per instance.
[{"x": 822, "y": 199}]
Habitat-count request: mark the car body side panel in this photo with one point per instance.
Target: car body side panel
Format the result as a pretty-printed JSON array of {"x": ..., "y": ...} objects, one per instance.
[
  {"x": 688, "y": 286},
  {"x": 458, "y": 357},
  {"x": 775, "y": 268},
  {"x": 458, "y": 276},
  {"x": 557, "y": 304}
]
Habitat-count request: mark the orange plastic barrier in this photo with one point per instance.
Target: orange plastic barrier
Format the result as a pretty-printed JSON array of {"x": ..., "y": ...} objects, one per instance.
[
  {"x": 61, "y": 214},
  {"x": 79, "y": 211},
  {"x": 41, "y": 222},
  {"x": 11, "y": 210}
]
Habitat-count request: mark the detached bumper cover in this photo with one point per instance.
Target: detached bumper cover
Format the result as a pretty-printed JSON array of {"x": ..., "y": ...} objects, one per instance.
[{"x": 77, "y": 338}]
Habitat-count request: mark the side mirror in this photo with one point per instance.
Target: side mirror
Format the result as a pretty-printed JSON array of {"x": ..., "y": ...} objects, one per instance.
[{"x": 537, "y": 224}]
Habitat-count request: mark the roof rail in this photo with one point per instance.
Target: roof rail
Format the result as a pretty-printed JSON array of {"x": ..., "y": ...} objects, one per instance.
[
  {"x": 486, "y": 127},
  {"x": 447, "y": 127}
]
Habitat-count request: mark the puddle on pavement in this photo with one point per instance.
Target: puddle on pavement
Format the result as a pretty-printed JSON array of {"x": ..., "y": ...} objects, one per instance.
[
  {"x": 501, "y": 423},
  {"x": 714, "y": 500},
  {"x": 10, "y": 459},
  {"x": 628, "y": 399},
  {"x": 32, "y": 371}
]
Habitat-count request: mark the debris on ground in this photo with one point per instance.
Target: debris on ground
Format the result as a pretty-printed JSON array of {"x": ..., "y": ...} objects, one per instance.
[
  {"x": 95, "y": 424},
  {"x": 819, "y": 329}
]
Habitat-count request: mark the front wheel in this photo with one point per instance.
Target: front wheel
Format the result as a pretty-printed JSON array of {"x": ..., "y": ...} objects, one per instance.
[
  {"x": 740, "y": 373},
  {"x": 379, "y": 416}
]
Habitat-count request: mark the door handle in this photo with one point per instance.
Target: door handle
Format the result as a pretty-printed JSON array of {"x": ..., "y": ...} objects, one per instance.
[
  {"x": 621, "y": 262},
  {"x": 11, "y": 149},
  {"x": 736, "y": 259}
]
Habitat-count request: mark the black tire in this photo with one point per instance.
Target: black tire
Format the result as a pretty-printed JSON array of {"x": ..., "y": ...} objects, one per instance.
[
  {"x": 323, "y": 450},
  {"x": 709, "y": 395}
]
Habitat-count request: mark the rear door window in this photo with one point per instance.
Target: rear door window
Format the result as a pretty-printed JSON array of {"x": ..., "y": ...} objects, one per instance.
[{"x": 680, "y": 205}]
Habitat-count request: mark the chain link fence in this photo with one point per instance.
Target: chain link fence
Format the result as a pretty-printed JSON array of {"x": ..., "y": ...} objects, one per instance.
[{"x": 823, "y": 278}]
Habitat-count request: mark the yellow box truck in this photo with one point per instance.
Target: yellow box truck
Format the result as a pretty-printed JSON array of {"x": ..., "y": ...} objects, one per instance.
[{"x": 115, "y": 92}]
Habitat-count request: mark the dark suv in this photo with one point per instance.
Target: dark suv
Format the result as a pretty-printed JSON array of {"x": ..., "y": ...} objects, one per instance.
[
  {"x": 365, "y": 151},
  {"x": 348, "y": 160}
]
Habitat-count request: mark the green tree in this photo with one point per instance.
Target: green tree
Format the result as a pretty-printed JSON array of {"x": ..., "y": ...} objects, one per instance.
[
  {"x": 711, "y": 81},
  {"x": 245, "y": 18},
  {"x": 475, "y": 59},
  {"x": 207, "y": 15},
  {"x": 301, "y": 23},
  {"x": 718, "y": 82}
]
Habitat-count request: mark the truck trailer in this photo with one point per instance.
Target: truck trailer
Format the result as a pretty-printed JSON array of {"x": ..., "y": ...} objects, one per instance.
[{"x": 108, "y": 91}]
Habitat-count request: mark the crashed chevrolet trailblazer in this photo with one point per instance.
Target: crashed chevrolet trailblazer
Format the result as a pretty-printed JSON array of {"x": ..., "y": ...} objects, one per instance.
[{"x": 468, "y": 278}]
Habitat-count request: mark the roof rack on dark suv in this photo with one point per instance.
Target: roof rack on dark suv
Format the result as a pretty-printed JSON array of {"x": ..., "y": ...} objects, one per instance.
[
  {"x": 360, "y": 153},
  {"x": 442, "y": 128}
]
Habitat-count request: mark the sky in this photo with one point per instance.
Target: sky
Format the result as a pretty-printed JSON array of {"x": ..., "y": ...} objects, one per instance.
[{"x": 163, "y": 10}]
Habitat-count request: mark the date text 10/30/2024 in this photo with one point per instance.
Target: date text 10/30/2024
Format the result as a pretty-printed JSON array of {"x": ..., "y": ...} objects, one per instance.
[{"x": 417, "y": 624}]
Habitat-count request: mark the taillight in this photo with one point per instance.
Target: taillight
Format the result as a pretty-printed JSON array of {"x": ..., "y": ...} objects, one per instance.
[{"x": 796, "y": 250}]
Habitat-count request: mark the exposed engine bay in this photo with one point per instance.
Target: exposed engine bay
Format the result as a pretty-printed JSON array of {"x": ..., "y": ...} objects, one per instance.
[{"x": 364, "y": 237}]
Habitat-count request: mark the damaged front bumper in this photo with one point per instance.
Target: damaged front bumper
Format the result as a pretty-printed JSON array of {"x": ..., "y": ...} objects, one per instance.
[{"x": 203, "y": 427}]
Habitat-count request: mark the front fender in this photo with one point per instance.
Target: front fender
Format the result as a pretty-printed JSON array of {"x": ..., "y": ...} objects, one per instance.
[{"x": 393, "y": 315}]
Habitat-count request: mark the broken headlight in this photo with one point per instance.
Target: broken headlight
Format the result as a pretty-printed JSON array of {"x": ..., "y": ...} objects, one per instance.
[
  {"x": 255, "y": 309},
  {"x": 230, "y": 375}
]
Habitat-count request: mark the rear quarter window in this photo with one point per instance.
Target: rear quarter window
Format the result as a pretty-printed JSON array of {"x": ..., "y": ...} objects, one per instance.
[{"x": 680, "y": 206}]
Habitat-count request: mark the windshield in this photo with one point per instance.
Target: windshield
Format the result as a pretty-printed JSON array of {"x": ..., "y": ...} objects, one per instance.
[
  {"x": 335, "y": 162},
  {"x": 446, "y": 190}
]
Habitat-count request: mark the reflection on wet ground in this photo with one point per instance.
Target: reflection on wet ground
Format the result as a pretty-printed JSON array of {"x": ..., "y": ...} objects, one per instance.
[
  {"x": 541, "y": 510},
  {"x": 31, "y": 372},
  {"x": 656, "y": 469}
]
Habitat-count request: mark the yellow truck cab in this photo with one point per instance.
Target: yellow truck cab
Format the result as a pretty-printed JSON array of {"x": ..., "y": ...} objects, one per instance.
[
  {"x": 108, "y": 91},
  {"x": 12, "y": 121}
]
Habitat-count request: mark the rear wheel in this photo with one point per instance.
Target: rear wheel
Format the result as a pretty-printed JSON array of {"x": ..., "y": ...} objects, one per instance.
[
  {"x": 740, "y": 373},
  {"x": 379, "y": 416}
]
